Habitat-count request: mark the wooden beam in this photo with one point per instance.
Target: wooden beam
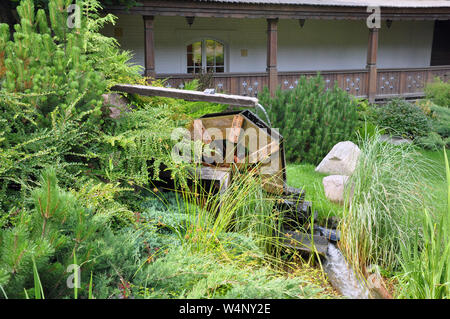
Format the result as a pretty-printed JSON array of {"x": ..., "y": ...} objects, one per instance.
[
  {"x": 282, "y": 11},
  {"x": 272, "y": 48},
  {"x": 372, "y": 51},
  {"x": 149, "y": 47},
  {"x": 187, "y": 95}
]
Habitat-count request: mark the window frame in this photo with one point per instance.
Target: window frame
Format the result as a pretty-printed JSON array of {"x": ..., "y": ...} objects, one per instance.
[{"x": 204, "y": 65}]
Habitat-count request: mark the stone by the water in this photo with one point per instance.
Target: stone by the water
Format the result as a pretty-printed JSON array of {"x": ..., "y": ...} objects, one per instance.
[
  {"x": 334, "y": 186},
  {"x": 341, "y": 160}
]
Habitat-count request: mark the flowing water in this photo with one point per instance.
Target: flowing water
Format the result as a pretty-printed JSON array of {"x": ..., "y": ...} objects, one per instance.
[
  {"x": 341, "y": 275},
  {"x": 265, "y": 113}
]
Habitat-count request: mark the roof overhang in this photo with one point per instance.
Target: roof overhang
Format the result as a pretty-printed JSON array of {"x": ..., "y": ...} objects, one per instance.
[{"x": 345, "y": 10}]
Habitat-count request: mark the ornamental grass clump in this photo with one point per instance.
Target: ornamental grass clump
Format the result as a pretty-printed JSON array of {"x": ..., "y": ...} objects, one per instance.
[
  {"x": 243, "y": 208},
  {"x": 426, "y": 268},
  {"x": 384, "y": 206}
]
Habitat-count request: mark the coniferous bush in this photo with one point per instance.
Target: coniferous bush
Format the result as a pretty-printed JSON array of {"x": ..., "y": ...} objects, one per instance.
[
  {"x": 402, "y": 118},
  {"x": 50, "y": 61},
  {"x": 440, "y": 125},
  {"x": 56, "y": 228},
  {"x": 311, "y": 119},
  {"x": 438, "y": 92},
  {"x": 52, "y": 78}
]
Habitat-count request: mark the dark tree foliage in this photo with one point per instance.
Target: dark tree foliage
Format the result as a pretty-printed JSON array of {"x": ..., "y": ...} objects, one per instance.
[{"x": 8, "y": 13}]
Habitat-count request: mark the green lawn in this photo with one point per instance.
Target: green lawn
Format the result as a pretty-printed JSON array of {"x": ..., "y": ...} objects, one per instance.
[
  {"x": 304, "y": 176},
  {"x": 436, "y": 179}
]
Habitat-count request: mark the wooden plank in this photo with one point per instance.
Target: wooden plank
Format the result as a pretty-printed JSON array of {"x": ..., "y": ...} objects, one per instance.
[
  {"x": 221, "y": 123},
  {"x": 272, "y": 187},
  {"x": 236, "y": 126},
  {"x": 234, "y": 85},
  {"x": 220, "y": 174},
  {"x": 186, "y": 95},
  {"x": 402, "y": 83}
]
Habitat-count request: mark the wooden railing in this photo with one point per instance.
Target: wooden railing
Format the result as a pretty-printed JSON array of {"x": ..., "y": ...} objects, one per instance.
[{"x": 390, "y": 83}]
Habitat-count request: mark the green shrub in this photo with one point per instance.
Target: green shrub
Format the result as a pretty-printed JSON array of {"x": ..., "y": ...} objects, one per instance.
[
  {"x": 311, "y": 119},
  {"x": 432, "y": 141},
  {"x": 366, "y": 120},
  {"x": 440, "y": 124},
  {"x": 439, "y": 92},
  {"x": 441, "y": 120},
  {"x": 50, "y": 61},
  {"x": 51, "y": 82},
  {"x": 447, "y": 142},
  {"x": 49, "y": 234},
  {"x": 196, "y": 275},
  {"x": 402, "y": 118}
]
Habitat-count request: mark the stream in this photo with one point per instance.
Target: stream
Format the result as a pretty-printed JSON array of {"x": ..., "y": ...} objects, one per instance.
[{"x": 341, "y": 275}]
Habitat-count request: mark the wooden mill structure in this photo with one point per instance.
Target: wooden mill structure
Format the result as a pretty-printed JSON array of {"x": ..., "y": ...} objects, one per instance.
[{"x": 229, "y": 136}]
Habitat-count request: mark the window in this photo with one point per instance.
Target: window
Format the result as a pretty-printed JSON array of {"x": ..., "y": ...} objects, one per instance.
[{"x": 205, "y": 55}]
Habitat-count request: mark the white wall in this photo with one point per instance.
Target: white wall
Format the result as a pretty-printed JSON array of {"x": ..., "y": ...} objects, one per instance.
[{"x": 319, "y": 45}]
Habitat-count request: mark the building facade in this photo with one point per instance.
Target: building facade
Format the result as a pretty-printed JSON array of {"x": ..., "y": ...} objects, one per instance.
[{"x": 249, "y": 44}]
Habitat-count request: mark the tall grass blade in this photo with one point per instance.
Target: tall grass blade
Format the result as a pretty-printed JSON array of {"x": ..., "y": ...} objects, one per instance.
[
  {"x": 76, "y": 279},
  {"x": 38, "y": 291},
  {"x": 90, "y": 288},
  {"x": 3, "y": 291}
]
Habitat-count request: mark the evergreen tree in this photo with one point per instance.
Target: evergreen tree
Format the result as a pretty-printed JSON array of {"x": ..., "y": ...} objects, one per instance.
[{"x": 322, "y": 118}]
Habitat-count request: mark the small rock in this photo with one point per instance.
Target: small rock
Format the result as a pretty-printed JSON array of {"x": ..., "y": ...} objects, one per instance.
[
  {"x": 334, "y": 186},
  {"x": 396, "y": 140},
  {"x": 341, "y": 160},
  {"x": 117, "y": 104}
]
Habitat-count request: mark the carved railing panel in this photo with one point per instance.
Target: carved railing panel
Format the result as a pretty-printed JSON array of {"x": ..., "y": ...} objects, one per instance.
[
  {"x": 251, "y": 85},
  {"x": 414, "y": 82},
  {"x": 442, "y": 72},
  {"x": 354, "y": 82},
  {"x": 388, "y": 83}
]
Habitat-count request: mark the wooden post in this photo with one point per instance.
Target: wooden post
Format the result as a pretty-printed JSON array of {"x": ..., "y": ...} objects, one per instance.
[
  {"x": 272, "y": 47},
  {"x": 372, "y": 50},
  {"x": 149, "y": 47}
]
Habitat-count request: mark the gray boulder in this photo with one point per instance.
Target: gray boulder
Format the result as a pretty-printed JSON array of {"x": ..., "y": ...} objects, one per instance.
[{"x": 341, "y": 160}]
